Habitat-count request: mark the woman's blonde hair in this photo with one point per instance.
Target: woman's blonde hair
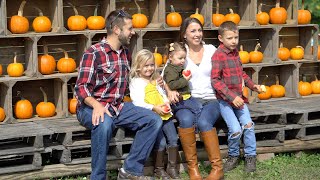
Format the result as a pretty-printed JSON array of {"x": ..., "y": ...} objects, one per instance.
[{"x": 140, "y": 60}]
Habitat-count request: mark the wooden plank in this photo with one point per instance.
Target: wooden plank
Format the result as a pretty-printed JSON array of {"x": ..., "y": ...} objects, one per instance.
[{"x": 27, "y": 129}]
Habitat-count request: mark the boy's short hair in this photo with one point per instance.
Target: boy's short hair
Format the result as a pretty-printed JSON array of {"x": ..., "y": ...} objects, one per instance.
[{"x": 227, "y": 26}]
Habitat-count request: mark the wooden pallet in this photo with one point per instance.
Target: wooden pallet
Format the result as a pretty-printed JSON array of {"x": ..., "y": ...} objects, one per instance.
[{"x": 311, "y": 130}]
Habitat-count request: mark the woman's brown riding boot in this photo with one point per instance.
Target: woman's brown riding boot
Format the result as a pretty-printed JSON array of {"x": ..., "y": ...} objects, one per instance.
[
  {"x": 188, "y": 141},
  {"x": 159, "y": 171},
  {"x": 172, "y": 168},
  {"x": 211, "y": 143}
]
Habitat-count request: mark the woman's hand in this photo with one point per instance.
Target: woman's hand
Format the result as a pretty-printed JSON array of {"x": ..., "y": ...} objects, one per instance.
[{"x": 173, "y": 96}]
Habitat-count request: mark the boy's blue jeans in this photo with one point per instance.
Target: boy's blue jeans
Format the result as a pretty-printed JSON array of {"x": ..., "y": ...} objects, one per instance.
[
  {"x": 146, "y": 123},
  {"x": 168, "y": 136},
  {"x": 236, "y": 120}
]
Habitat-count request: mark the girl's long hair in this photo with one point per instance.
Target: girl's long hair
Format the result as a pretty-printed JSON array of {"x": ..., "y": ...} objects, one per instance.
[{"x": 139, "y": 61}]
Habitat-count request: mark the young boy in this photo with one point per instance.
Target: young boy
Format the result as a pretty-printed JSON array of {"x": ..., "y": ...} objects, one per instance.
[{"x": 228, "y": 79}]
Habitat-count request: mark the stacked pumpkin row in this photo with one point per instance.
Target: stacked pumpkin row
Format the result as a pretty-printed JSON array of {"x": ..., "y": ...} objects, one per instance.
[{"x": 306, "y": 88}]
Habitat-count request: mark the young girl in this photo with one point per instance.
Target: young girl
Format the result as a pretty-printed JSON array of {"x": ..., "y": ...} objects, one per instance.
[{"x": 145, "y": 92}]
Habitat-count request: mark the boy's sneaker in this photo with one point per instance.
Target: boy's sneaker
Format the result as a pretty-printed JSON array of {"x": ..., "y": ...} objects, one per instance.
[
  {"x": 231, "y": 163},
  {"x": 250, "y": 163}
]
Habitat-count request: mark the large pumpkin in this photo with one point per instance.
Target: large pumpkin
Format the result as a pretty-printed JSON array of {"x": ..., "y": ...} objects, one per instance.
[
  {"x": 304, "y": 88},
  {"x": 76, "y": 22},
  {"x": 244, "y": 55},
  {"x": 256, "y": 56},
  {"x": 198, "y": 16},
  {"x": 2, "y": 114},
  {"x": 315, "y": 85},
  {"x": 72, "y": 102},
  {"x": 277, "y": 90},
  {"x": 45, "y": 108},
  {"x": 15, "y": 69},
  {"x": 66, "y": 64},
  {"x": 157, "y": 57},
  {"x": 233, "y": 17},
  {"x": 217, "y": 18},
  {"x": 1, "y": 71},
  {"x": 18, "y": 23},
  {"x": 139, "y": 20},
  {"x": 23, "y": 109},
  {"x": 96, "y": 22},
  {"x": 304, "y": 16},
  {"x": 278, "y": 15},
  {"x": 262, "y": 17},
  {"x": 297, "y": 53},
  {"x": 41, "y": 23},
  {"x": 265, "y": 95},
  {"x": 173, "y": 19},
  {"x": 283, "y": 53},
  {"x": 46, "y": 62}
]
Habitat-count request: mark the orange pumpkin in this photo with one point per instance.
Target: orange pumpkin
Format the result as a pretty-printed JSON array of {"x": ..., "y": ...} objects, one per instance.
[
  {"x": 127, "y": 99},
  {"x": 233, "y": 17},
  {"x": 66, "y": 64},
  {"x": 318, "y": 52},
  {"x": 277, "y": 90},
  {"x": 262, "y": 17},
  {"x": 46, "y": 62},
  {"x": 72, "y": 102},
  {"x": 76, "y": 22},
  {"x": 41, "y": 23},
  {"x": 2, "y": 114},
  {"x": 256, "y": 56},
  {"x": 198, "y": 16},
  {"x": 15, "y": 69},
  {"x": 304, "y": 16},
  {"x": 244, "y": 55},
  {"x": 304, "y": 88},
  {"x": 96, "y": 22},
  {"x": 265, "y": 95},
  {"x": 173, "y": 19},
  {"x": 157, "y": 57},
  {"x": 297, "y": 53},
  {"x": 164, "y": 59},
  {"x": 23, "y": 109},
  {"x": 217, "y": 18},
  {"x": 19, "y": 24},
  {"x": 283, "y": 53},
  {"x": 315, "y": 85},
  {"x": 1, "y": 71},
  {"x": 278, "y": 15},
  {"x": 139, "y": 20},
  {"x": 245, "y": 92},
  {"x": 45, "y": 108}
]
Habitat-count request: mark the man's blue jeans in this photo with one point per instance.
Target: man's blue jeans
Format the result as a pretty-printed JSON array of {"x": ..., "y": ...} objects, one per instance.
[
  {"x": 236, "y": 120},
  {"x": 147, "y": 125}
]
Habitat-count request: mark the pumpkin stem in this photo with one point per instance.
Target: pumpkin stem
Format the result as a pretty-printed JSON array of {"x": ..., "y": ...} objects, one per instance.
[
  {"x": 218, "y": 6},
  {"x": 241, "y": 48},
  {"x": 20, "y": 11},
  {"x": 277, "y": 80},
  {"x": 156, "y": 49},
  {"x": 64, "y": 51},
  {"x": 302, "y": 5},
  {"x": 257, "y": 47},
  {"x": 45, "y": 48},
  {"x": 74, "y": 9},
  {"x": 15, "y": 58},
  {"x": 39, "y": 10},
  {"x": 304, "y": 78},
  {"x": 45, "y": 98},
  {"x": 300, "y": 47},
  {"x": 139, "y": 9},
  {"x": 281, "y": 45},
  {"x": 231, "y": 11},
  {"x": 96, "y": 10},
  {"x": 264, "y": 80},
  {"x": 315, "y": 76},
  {"x": 278, "y": 4},
  {"x": 197, "y": 11},
  {"x": 72, "y": 89},
  {"x": 260, "y": 8},
  {"x": 172, "y": 8}
]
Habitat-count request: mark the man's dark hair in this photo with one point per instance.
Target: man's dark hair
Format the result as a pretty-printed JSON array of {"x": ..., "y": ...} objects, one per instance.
[{"x": 116, "y": 18}]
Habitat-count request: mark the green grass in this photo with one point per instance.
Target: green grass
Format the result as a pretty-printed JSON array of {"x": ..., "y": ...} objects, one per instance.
[{"x": 282, "y": 167}]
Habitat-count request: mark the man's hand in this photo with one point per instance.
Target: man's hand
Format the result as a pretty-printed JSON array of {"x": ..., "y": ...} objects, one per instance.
[
  {"x": 238, "y": 102},
  {"x": 258, "y": 88},
  {"x": 98, "y": 113}
]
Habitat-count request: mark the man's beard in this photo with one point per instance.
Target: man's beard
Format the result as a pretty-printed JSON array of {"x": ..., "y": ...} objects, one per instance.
[{"x": 123, "y": 40}]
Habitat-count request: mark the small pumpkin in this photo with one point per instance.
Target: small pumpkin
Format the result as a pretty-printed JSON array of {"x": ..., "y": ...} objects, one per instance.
[
  {"x": 265, "y": 95},
  {"x": 18, "y": 23},
  {"x": 315, "y": 85},
  {"x": 217, "y": 18},
  {"x": 2, "y": 114},
  {"x": 277, "y": 90},
  {"x": 173, "y": 19},
  {"x": 127, "y": 99},
  {"x": 278, "y": 15},
  {"x": 304, "y": 16},
  {"x": 66, "y": 64},
  {"x": 297, "y": 53},
  {"x": 139, "y": 20},
  {"x": 23, "y": 109},
  {"x": 96, "y": 22},
  {"x": 76, "y": 22},
  {"x": 198, "y": 16},
  {"x": 72, "y": 102},
  {"x": 41, "y": 23},
  {"x": 244, "y": 55},
  {"x": 256, "y": 56},
  {"x": 46, "y": 62},
  {"x": 318, "y": 52},
  {"x": 157, "y": 57},
  {"x": 245, "y": 92},
  {"x": 283, "y": 53},
  {"x": 262, "y": 17},
  {"x": 304, "y": 88},
  {"x": 1, "y": 71},
  {"x": 15, "y": 69},
  {"x": 234, "y": 17},
  {"x": 45, "y": 108}
]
